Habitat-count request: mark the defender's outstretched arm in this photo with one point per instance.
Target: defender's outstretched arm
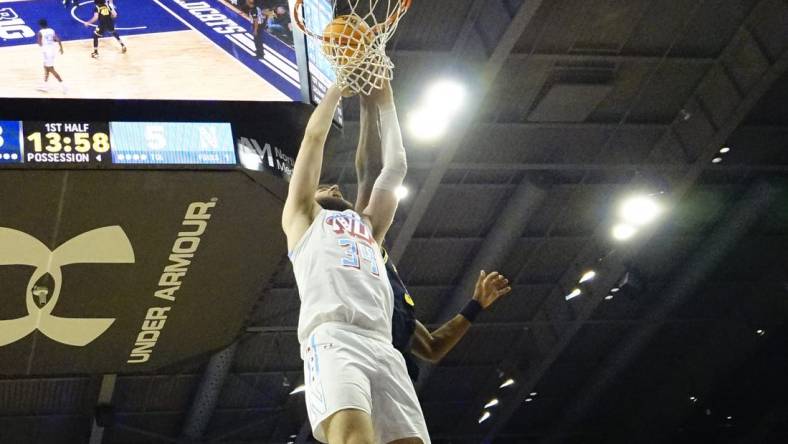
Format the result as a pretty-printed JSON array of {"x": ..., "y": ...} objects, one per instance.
[
  {"x": 434, "y": 346},
  {"x": 300, "y": 206},
  {"x": 383, "y": 200}
]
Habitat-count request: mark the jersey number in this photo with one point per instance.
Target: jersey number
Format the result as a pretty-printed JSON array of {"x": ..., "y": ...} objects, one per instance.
[{"x": 356, "y": 253}]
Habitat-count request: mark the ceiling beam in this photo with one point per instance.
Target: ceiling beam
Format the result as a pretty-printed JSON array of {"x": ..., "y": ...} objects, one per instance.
[
  {"x": 665, "y": 167},
  {"x": 104, "y": 398},
  {"x": 699, "y": 139},
  {"x": 734, "y": 226},
  {"x": 572, "y": 58},
  {"x": 496, "y": 247},
  {"x": 495, "y": 62},
  {"x": 207, "y": 395}
]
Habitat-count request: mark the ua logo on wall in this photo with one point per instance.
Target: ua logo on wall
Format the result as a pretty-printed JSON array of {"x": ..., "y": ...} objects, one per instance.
[{"x": 107, "y": 245}]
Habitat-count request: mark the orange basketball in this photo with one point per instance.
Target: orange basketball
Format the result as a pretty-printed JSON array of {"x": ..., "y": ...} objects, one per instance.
[{"x": 346, "y": 38}]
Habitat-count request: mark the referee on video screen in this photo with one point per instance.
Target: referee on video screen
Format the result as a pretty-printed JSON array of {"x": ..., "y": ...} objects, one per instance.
[{"x": 259, "y": 22}]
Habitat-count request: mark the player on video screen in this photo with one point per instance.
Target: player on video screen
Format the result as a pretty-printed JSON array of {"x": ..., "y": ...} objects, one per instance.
[
  {"x": 46, "y": 38},
  {"x": 105, "y": 15}
]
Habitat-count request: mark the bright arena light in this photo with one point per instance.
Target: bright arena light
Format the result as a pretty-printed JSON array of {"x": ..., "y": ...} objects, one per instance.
[
  {"x": 427, "y": 124},
  {"x": 446, "y": 95},
  {"x": 492, "y": 403},
  {"x": 587, "y": 276},
  {"x": 725, "y": 149},
  {"x": 507, "y": 383},
  {"x": 623, "y": 232},
  {"x": 485, "y": 416},
  {"x": 300, "y": 389},
  {"x": 401, "y": 192},
  {"x": 639, "y": 210},
  {"x": 575, "y": 293}
]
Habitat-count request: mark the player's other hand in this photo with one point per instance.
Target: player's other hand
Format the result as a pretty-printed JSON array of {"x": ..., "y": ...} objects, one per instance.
[
  {"x": 61, "y": 51},
  {"x": 490, "y": 287}
]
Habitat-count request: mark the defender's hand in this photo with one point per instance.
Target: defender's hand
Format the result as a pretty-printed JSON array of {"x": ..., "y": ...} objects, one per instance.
[{"x": 490, "y": 287}]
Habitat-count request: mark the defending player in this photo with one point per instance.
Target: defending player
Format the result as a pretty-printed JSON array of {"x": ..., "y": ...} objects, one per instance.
[
  {"x": 105, "y": 15},
  {"x": 409, "y": 335},
  {"x": 357, "y": 388},
  {"x": 46, "y": 38}
]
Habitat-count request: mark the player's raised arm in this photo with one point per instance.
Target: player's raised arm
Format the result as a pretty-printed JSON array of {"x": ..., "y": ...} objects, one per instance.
[
  {"x": 434, "y": 346},
  {"x": 383, "y": 200},
  {"x": 368, "y": 155},
  {"x": 300, "y": 206}
]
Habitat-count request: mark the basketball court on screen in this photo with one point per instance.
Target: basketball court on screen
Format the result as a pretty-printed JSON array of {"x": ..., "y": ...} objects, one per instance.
[{"x": 178, "y": 49}]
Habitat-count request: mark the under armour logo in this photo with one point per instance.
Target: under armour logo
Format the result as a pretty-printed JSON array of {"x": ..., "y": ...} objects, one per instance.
[{"x": 107, "y": 245}]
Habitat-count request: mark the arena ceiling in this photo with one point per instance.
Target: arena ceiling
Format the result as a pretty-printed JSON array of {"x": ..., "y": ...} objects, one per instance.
[{"x": 573, "y": 105}]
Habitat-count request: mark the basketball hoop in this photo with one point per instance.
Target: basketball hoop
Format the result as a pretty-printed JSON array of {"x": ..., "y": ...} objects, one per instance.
[{"x": 354, "y": 42}]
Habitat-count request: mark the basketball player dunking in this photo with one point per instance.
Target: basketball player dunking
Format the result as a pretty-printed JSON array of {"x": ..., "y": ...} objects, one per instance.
[
  {"x": 357, "y": 387},
  {"x": 105, "y": 15},
  {"x": 46, "y": 38}
]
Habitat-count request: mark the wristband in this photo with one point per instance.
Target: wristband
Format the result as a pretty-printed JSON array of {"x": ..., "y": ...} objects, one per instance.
[{"x": 471, "y": 310}]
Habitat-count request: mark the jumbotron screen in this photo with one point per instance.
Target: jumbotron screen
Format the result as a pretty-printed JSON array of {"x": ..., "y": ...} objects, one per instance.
[{"x": 149, "y": 49}]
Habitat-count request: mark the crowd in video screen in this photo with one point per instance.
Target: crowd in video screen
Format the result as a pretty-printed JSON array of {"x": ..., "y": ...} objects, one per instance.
[{"x": 148, "y": 49}]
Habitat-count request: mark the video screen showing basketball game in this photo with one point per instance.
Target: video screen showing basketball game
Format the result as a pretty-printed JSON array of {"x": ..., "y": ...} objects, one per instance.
[{"x": 148, "y": 49}]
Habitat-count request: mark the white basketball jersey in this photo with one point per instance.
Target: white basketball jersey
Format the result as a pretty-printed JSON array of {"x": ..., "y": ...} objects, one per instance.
[
  {"x": 47, "y": 39},
  {"x": 341, "y": 276}
]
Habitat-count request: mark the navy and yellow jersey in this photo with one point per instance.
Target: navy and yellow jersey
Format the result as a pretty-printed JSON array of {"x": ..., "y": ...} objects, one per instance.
[
  {"x": 104, "y": 15},
  {"x": 403, "y": 320}
]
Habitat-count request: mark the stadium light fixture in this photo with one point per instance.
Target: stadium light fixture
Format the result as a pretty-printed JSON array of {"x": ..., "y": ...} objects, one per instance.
[
  {"x": 401, "y": 192},
  {"x": 534, "y": 394},
  {"x": 587, "y": 276},
  {"x": 492, "y": 403},
  {"x": 624, "y": 232},
  {"x": 609, "y": 297},
  {"x": 300, "y": 389},
  {"x": 529, "y": 399},
  {"x": 760, "y": 332},
  {"x": 575, "y": 293},
  {"x": 485, "y": 416},
  {"x": 446, "y": 95},
  {"x": 507, "y": 383},
  {"x": 428, "y": 124},
  {"x": 716, "y": 160},
  {"x": 639, "y": 210},
  {"x": 725, "y": 149}
]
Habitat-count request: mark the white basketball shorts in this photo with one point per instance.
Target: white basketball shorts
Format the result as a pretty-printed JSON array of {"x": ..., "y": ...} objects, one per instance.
[
  {"x": 49, "y": 57},
  {"x": 344, "y": 368}
]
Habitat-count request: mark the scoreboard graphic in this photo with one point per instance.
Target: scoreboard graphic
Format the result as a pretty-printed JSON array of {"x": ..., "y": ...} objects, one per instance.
[{"x": 97, "y": 144}]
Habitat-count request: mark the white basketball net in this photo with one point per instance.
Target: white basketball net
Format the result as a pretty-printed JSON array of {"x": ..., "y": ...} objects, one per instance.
[{"x": 354, "y": 43}]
